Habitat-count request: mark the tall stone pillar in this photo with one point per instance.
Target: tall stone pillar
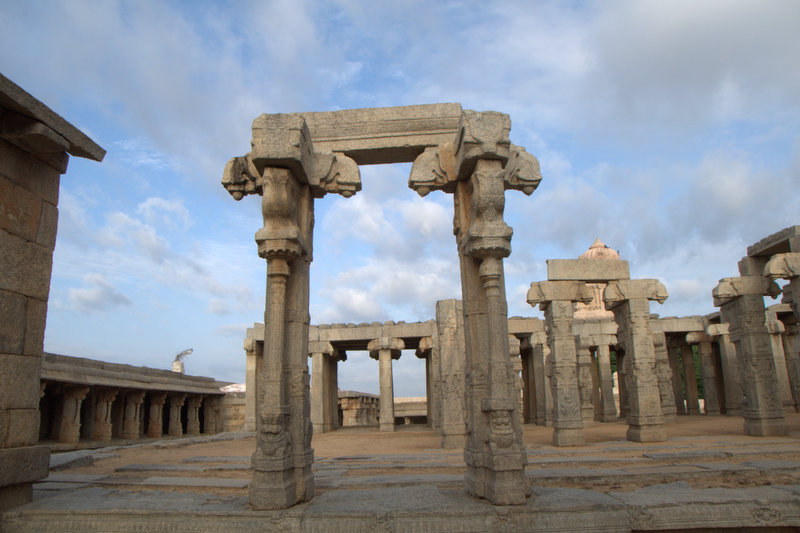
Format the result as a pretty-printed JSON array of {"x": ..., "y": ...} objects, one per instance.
[
  {"x": 288, "y": 173},
  {"x": 193, "y": 415},
  {"x": 384, "y": 349},
  {"x": 689, "y": 378},
  {"x": 710, "y": 394},
  {"x": 320, "y": 353},
  {"x": 791, "y": 347},
  {"x": 787, "y": 266},
  {"x": 741, "y": 300},
  {"x": 585, "y": 383},
  {"x": 175, "y": 425},
  {"x": 516, "y": 371},
  {"x": 608, "y": 410},
  {"x": 210, "y": 415},
  {"x": 542, "y": 372},
  {"x": 424, "y": 351},
  {"x": 69, "y": 426},
  {"x": 731, "y": 375},
  {"x": 333, "y": 387},
  {"x": 478, "y": 168},
  {"x": 629, "y": 300},
  {"x": 251, "y": 383},
  {"x": 528, "y": 387},
  {"x": 102, "y": 414},
  {"x": 556, "y": 299},
  {"x": 155, "y": 417},
  {"x": 674, "y": 354},
  {"x": 451, "y": 350},
  {"x": 666, "y": 389},
  {"x": 776, "y": 330},
  {"x": 133, "y": 414}
]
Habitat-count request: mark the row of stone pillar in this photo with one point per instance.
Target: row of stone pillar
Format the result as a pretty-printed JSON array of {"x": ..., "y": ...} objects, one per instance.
[{"x": 65, "y": 412}]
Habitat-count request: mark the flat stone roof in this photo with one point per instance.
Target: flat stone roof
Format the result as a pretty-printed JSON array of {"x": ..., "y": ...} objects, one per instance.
[{"x": 13, "y": 97}]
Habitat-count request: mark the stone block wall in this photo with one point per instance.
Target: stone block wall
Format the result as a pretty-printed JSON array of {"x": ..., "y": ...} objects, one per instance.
[
  {"x": 233, "y": 409},
  {"x": 28, "y": 221}
]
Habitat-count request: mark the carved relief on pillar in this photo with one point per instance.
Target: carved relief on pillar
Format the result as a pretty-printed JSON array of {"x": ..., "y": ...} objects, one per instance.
[
  {"x": 384, "y": 349},
  {"x": 787, "y": 266},
  {"x": 133, "y": 411},
  {"x": 155, "y": 416},
  {"x": 710, "y": 394},
  {"x": 556, "y": 299},
  {"x": 176, "y": 401},
  {"x": 666, "y": 389},
  {"x": 69, "y": 427},
  {"x": 193, "y": 414},
  {"x": 102, "y": 414},
  {"x": 629, "y": 300},
  {"x": 741, "y": 300}
]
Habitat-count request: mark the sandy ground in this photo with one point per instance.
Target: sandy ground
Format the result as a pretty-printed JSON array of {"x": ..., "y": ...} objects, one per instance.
[{"x": 695, "y": 431}]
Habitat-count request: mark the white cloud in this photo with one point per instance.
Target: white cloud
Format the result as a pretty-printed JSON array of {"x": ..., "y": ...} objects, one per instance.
[{"x": 100, "y": 295}]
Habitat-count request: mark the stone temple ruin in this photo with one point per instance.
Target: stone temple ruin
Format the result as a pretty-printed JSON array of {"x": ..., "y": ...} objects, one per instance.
[{"x": 487, "y": 374}]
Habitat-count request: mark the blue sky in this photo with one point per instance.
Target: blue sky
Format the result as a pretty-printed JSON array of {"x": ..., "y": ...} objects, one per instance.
[{"x": 670, "y": 130}]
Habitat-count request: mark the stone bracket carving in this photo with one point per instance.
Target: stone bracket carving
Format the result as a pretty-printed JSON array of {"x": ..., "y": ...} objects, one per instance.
[
  {"x": 620, "y": 291},
  {"x": 544, "y": 292},
  {"x": 731, "y": 288},
  {"x": 522, "y": 171},
  {"x": 488, "y": 235},
  {"x": 783, "y": 266},
  {"x": 395, "y": 345},
  {"x": 481, "y": 135}
]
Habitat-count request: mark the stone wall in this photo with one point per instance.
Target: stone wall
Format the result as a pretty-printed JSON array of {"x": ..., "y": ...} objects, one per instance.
[
  {"x": 34, "y": 148},
  {"x": 233, "y": 407}
]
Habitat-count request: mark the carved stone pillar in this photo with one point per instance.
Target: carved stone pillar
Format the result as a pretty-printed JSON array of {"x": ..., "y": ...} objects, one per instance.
[
  {"x": 477, "y": 168},
  {"x": 193, "y": 415},
  {"x": 320, "y": 353},
  {"x": 791, "y": 347},
  {"x": 689, "y": 377},
  {"x": 251, "y": 384},
  {"x": 666, "y": 390},
  {"x": 776, "y": 330},
  {"x": 288, "y": 173},
  {"x": 674, "y": 354},
  {"x": 608, "y": 411},
  {"x": 741, "y": 300},
  {"x": 731, "y": 375},
  {"x": 333, "y": 387},
  {"x": 69, "y": 426},
  {"x": 787, "y": 266},
  {"x": 556, "y": 299},
  {"x": 424, "y": 351},
  {"x": 133, "y": 414},
  {"x": 175, "y": 403},
  {"x": 155, "y": 421},
  {"x": 585, "y": 384},
  {"x": 528, "y": 387},
  {"x": 629, "y": 300},
  {"x": 210, "y": 415},
  {"x": 710, "y": 395},
  {"x": 102, "y": 414},
  {"x": 542, "y": 372},
  {"x": 384, "y": 350},
  {"x": 451, "y": 350},
  {"x": 516, "y": 371}
]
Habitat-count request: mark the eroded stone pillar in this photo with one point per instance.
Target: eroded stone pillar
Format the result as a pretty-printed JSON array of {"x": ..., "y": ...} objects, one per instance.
[
  {"x": 133, "y": 412},
  {"x": 741, "y": 300},
  {"x": 288, "y": 173},
  {"x": 320, "y": 385},
  {"x": 791, "y": 347},
  {"x": 674, "y": 354},
  {"x": 585, "y": 384},
  {"x": 384, "y": 349},
  {"x": 629, "y": 300},
  {"x": 69, "y": 426},
  {"x": 666, "y": 390},
  {"x": 155, "y": 422},
  {"x": 478, "y": 167},
  {"x": 542, "y": 372},
  {"x": 786, "y": 266},
  {"x": 731, "y": 375},
  {"x": 193, "y": 415},
  {"x": 776, "y": 330},
  {"x": 211, "y": 419},
  {"x": 251, "y": 384},
  {"x": 556, "y": 299},
  {"x": 175, "y": 428},
  {"x": 450, "y": 338},
  {"x": 424, "y": 351},
  {"x": 710, "y": 395},
  {"x": 608, "y": 411},
  {"x": 102, "y": 414}
]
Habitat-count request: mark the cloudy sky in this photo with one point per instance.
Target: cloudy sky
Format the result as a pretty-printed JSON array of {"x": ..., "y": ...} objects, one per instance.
[{"x": 670, "y": 130}]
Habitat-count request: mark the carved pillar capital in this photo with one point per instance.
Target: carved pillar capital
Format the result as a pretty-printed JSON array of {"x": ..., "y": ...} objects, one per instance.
[{"x": 392, "y": 344}]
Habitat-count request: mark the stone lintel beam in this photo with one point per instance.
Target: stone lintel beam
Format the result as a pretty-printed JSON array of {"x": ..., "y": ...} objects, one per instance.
[
  {"x": 731, "y": 288},
  {"x": 717, "y": 330},
  {"x": 424, "y": 348},
  {"x": 588, "y": 270},
  {"x": 587, "y": 341},
  {"x": 542, "y": 293},
  {"x": 392, "y": 344},
  {"x": 617, "y": 292},
  {"x": 696, "y": 337}
]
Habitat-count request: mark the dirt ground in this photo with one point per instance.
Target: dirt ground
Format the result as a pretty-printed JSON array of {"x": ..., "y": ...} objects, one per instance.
[{"x": 699, "y": 431}]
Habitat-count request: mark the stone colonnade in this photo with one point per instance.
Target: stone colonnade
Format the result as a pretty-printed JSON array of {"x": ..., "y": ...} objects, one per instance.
[
  {"x": 88, "y": 401},
  {"x": 296, "y": 158}
]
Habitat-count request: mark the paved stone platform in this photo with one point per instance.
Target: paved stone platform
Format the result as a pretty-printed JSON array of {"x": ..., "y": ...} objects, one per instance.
[{"x": 695, "y": 484}]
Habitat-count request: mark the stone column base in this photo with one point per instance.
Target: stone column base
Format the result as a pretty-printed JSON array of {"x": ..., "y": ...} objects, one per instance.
[
  {"x": 649, "y": 433},
  {"x": 499, "y": 487},
  {"x": 765, "y": 427},
  {"x": 387, "y": 427},
  {"x": 453, "y": 441},
  {"x": 568, "y": 437}
]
